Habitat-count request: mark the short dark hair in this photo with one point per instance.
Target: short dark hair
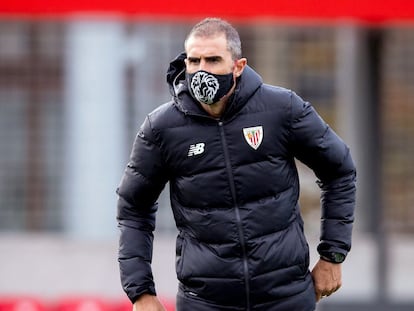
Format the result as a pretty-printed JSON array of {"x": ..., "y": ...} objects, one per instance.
[{"x": 211, "y": 26}]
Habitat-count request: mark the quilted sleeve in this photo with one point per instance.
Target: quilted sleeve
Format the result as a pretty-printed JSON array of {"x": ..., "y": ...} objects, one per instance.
[
  {"x": 140, "y": 186},
  {"x": 315, "y": 144}
]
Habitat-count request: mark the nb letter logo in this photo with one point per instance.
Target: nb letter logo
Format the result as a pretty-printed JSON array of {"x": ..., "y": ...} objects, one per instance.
[{"x": 196, "y": 149}]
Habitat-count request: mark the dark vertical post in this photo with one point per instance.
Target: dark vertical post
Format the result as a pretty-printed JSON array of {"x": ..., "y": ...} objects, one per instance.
[{"x": 378, "y": 226}]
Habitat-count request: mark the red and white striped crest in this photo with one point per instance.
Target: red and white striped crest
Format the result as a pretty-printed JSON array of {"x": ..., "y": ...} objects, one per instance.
[{"x": 253, "y": 136}]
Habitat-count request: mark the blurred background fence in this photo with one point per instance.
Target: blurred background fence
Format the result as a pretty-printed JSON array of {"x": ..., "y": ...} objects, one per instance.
[{"x": 75, "y": 88}]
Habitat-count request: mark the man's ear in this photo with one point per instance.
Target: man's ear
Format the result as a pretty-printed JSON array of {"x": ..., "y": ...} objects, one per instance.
[{"x": 239, "y": 66}]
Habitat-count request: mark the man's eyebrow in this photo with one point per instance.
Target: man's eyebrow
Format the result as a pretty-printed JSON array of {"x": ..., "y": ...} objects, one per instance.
[
  {"x": 207, "y": 58},
  {"x": 213, "y": 58}
]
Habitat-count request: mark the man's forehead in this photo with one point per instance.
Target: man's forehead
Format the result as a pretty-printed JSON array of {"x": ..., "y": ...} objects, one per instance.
[
  {"x": 218, "y": 38},
  {"x": 198, "y": 46}
]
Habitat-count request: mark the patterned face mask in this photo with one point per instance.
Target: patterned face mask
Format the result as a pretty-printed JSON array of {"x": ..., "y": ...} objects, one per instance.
[{"x": 209, "y": 88}]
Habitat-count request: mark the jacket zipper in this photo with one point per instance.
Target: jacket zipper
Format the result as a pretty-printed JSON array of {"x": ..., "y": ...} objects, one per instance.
[{"x": 238, "y": 218}]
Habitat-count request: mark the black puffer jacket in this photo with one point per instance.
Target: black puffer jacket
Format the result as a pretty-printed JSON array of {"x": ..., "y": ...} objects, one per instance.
[{"x": 234, "y": 197}]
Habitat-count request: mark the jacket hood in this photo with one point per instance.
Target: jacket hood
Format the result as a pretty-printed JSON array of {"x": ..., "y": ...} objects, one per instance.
[
  {"x": 176, "y": 73},
  {"x": 247, "y": 84}
]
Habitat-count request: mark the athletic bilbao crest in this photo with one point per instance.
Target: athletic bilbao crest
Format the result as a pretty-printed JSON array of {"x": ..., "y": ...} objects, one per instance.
[{"x": 253, "y": 136}]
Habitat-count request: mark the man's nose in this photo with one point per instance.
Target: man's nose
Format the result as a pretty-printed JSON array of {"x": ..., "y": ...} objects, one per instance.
[{"x": 203, "y": 65}]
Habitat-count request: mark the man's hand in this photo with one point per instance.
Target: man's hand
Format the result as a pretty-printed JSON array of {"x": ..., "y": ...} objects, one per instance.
[
  {"x": 327, "y": 278},
  {"x": 148, "y": 302}
]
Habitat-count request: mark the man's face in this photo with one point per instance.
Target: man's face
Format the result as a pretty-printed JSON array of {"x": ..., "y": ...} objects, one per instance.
[{"x": 209, "y": 54}]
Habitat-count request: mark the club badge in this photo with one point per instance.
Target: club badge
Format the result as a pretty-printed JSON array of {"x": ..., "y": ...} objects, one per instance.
[{"x": 253, "y": 136}]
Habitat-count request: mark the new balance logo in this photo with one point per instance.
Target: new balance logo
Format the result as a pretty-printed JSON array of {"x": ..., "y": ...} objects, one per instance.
[{"x": 196, "y": 149}]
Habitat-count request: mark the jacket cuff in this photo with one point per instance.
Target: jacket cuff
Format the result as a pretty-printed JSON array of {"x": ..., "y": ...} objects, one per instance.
[{"x": 135, "y": 296}]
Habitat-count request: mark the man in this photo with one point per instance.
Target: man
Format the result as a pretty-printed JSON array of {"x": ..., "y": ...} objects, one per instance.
[{"x": 227, "y": 143}]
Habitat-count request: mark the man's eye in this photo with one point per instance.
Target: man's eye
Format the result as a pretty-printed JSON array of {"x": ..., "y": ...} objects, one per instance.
[
  {"x": 193, "y": 61},
  {"x": 213, "y": 60}
]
